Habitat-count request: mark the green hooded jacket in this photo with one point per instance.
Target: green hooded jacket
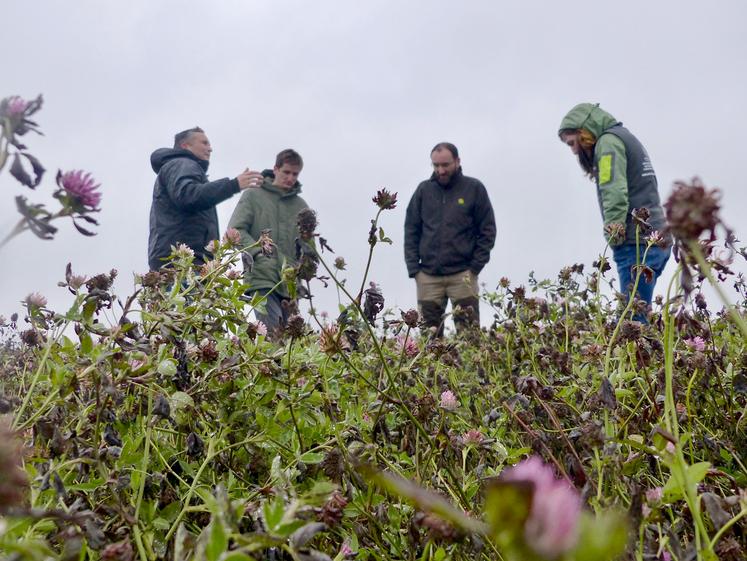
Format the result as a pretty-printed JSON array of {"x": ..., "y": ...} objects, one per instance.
[
  {"x": 624, "y": 175},
  {"x": 268, "y": 207},
  {"x": 613, "y": 194}
]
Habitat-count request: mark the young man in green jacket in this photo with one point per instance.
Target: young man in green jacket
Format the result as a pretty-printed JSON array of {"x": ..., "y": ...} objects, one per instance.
[
  {"x": 274, "y": 206},
  {"x": 619, "y": 164}
]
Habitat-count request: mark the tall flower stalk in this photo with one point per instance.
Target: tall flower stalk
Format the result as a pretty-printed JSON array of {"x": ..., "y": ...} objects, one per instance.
[{"x": 77, "y": 192}]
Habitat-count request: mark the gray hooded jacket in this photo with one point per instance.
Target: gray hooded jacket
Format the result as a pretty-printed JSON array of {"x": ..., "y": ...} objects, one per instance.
[{"x": 183, "y": 208}]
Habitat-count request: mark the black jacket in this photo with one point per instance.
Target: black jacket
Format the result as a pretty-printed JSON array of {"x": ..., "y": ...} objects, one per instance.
[
  {"x": 183, "y": 209},
  {"x": 449, "y": 228}
]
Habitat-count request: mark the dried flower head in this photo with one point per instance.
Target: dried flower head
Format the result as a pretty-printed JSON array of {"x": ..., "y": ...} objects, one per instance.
[
  {"x": 332, "y": 511},
  {"x": 615, "y": 233},
  {"x": 552, "y": 526},
  {"x": 32, "y": 337},
  {"x": 210, "y": 267},
  {"x": 151, "y": 279},
  {"x": 449, "y": 400},
  {"x": 692, "y": 210},
  {"x": 118, "y": 551},
  {"x": 209, "y": 350},
  {"x": 307, "y": 224},
  {"x": 328, "y": 340},
  {"x": 340, "y": 264},
  {"x": 411, "y": 318},
  {"x": 266, "y": 245},
  {"x": 307, "y": 266},
  {"x": 630, "y": 330},
  {"x": 640, "y": 216},
  {"x": 81, "y": 188},
  {"x": 373, "y": 303},
  {"x": 296, "y": 326},
  {"x": 385, "y": 200}
]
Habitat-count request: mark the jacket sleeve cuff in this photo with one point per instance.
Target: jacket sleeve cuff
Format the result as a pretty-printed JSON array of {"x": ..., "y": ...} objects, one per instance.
[{"x": 234, "y": 185}]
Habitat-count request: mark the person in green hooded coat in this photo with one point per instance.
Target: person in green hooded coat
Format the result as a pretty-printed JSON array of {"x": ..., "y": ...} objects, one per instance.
[
  {"x": 271, "y": 209},
  {"x": 626, "y": 182}
]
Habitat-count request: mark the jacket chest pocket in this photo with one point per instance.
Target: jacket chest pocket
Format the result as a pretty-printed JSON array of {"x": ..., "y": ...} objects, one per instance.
[{"x": 461, "y": 209}]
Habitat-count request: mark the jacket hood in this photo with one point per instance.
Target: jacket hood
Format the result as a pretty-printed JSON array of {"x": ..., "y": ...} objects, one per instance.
[
  {"x": 588, "y": 116},
  {"x": 269, "y": 176},
  {"x": 163, "y": 155}
]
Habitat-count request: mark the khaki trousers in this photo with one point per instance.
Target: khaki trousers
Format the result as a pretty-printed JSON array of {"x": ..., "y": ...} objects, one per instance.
[{"x": 434, "y": 292}]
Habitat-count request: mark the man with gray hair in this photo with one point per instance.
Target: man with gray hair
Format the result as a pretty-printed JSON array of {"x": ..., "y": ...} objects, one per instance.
[{"x": 183, "y": 208}]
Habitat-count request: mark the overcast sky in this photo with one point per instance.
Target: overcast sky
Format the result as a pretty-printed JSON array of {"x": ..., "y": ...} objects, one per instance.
[{"x": 363, "y": 90}]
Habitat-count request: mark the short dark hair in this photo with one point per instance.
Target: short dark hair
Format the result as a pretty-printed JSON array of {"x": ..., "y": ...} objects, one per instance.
[
  {"x": 181, "y": 137},
  {"x": 446, "y": 146},
  {"x": 290, "y": 157}
]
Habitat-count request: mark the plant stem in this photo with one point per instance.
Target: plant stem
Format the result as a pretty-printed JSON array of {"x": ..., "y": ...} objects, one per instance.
[
  {"x": 290, "y": 398},
  {"x": 143, "y": 477},
  {"x": 37, "y": 375},
  {"x": 726, "y": 527},
  {"x": 370, "y": 257}
]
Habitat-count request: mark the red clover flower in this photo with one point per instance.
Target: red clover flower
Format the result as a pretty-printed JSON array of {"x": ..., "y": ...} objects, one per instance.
[
  {"x": 232, "y": 237},
  {"x": 16, "y": 106},
  {"x": 472, "y": 436},
  {"x": 81, "y": 187},
  {"x": 408, "y": 345},
  {"x": 449, "y": 401},
  {"x": 696, "y": 344},
  {"x": 35, "y": 300},
  {"x": 552, "y": 526}
]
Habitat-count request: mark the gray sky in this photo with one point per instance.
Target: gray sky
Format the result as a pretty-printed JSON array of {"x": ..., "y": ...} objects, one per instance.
[{"x": 363, "y": 91}]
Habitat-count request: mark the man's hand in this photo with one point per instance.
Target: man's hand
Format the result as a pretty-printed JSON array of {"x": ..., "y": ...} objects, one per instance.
[{"x": 249, "y": 178}]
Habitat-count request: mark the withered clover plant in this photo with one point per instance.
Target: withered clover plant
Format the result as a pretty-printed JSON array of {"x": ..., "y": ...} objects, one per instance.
[
  {"x": 170, "y": 426},
  {"x": 693, "y": 216},
  {"x": 77, "y": 192}
]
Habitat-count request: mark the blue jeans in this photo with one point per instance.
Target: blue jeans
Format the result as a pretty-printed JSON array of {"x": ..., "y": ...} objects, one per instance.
[{"x": 625, "y": 259}]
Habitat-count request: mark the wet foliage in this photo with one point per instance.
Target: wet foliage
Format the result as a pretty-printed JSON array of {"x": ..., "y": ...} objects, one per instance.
[{"x": 169, "y": 425}]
